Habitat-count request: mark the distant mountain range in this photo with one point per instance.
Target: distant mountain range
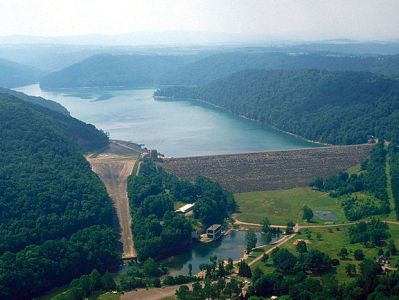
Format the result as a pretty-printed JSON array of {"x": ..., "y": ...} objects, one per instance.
[
  {"x": 116, "y": 70},
  {"x": 158, "y": 70}
]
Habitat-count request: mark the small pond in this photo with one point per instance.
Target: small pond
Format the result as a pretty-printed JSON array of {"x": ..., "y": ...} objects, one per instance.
[{"x": 229, "y": 246}]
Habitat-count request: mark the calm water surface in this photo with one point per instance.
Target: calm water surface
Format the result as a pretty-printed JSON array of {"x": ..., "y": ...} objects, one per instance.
[
  {"x": 175, "y": 128},
  {"x": 230, "y": 246}
]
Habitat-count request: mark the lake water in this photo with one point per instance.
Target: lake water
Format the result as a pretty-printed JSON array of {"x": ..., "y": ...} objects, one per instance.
[
  {"x": 175, "y": 128},
  {"x": 229, "y": 246}
]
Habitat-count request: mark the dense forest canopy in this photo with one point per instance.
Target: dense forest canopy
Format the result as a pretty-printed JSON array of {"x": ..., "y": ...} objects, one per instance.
[
  {"x": 157, "y": 230},
  {"x": 341, "y": 107},
  {"x": 85, "y": 136},
  {"x": 115, "y": 70},
  {"x": 37, "y": 100},
  {"x": 13, "y": 74},
  {"x": 223, "y": 64},
  {"x": 49, "y": 201}
]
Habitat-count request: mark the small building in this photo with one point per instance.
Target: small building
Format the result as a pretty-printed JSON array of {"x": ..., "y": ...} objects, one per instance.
[
  {"x": 214, "y": 232},
  {"x": 185, "y": 208},
  {"x": 382, "y": 260}
]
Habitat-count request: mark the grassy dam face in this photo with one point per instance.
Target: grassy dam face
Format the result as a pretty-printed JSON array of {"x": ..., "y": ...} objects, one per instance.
[{"x": 250, "y": 172}]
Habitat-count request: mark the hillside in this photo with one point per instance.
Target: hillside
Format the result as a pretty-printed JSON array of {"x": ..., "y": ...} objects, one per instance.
[
  {"x": 13, "y": 74},
  {"x": 114, "y": 70},
  {"x": 331, "y": 107},
  {"x": 56, "y": 219},
  {"x": 220, "y": 65},
  {"x": 85, "y": 136},
  {"x": 52, "y": 105}
]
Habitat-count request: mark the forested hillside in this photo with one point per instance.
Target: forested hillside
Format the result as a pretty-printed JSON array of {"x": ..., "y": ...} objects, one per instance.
[
  {"x": 85, "y": 136},
  {"x": 49, "y": 201},
  {"x": 340, "y": 107},
  {"x": 13, "y": 74},
  {"x": 115, "y": 70},
  {"x": 220, "y": 65},
  {"x": 157, "y": 230},
  {"x": 394, "y": 170},
  {"x": 37, "y": 100}
]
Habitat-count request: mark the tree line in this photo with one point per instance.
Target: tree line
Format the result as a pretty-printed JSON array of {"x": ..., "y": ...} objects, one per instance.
[
  {"x": 342, "y": 107},
  {"x": 371, "y": 180},
  {"x": 159, "y": 231},
  {"x": 56, "y": 219},
  {"x": 394, "y": 169}
]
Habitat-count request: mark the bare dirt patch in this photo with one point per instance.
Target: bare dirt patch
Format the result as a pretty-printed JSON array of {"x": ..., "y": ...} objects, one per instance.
[{"x": 114, "y": 165}]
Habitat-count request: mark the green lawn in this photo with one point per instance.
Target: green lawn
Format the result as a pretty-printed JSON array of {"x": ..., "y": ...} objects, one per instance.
[
  {"x": 281, "y": 206},
  {"x": 331, "y": 242},
  {"x": 109, "y": 296}
]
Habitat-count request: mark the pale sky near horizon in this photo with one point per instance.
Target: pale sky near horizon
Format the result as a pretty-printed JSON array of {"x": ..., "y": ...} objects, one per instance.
[{"x": 303, "y": 19}]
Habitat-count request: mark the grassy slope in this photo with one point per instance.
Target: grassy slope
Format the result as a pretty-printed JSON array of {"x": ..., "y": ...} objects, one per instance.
[{"x": 281, "y": 206}]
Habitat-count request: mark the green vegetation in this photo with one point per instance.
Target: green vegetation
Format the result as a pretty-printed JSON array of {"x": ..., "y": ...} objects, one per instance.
[
  {"x": 331, "y": 107},
  {"x": 152, "y": 195},
  {"x": 88, "y": 285},
  {"x": 282, "y": 206},
  {"x": 337, "y": 244},
  {"x": 37, "y": 100},
  {"x": 371, "y": 233},
  {"x": 307, "y": 213},
  {"x": 394, "y": 172},
  {"x": 56, "y": 220},
  {"x": 221, "y": 65},
  {"x": 56, "y": 262},
  {"x": 352, "y": 265},
  {"x": 13, "y": 74},
  {"x": 250, "y": 240},
  {"x": 371, "y": 181}
]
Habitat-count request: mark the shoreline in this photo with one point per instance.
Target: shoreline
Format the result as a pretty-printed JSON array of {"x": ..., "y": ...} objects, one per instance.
[{"x": 165, "y": 98}]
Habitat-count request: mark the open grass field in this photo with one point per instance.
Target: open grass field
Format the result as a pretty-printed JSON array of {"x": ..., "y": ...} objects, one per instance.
[
  {"x": 108, "y": 296},
  {"x": 331, "y": 241},
  {"x": 281, "y": 206}
]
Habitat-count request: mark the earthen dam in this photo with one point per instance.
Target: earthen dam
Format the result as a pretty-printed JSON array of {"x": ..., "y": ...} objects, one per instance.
[{"x": 269, "y": 170}]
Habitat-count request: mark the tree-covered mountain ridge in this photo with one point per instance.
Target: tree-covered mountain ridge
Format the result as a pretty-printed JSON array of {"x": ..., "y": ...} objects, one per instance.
[
  {"x": 56, "y": 219},
  {"x": 335, "y": 107},
  {"x": 13, "y": 74},
  {"x": 127, "y": 70},
  {"x": 85, "y": 136}
]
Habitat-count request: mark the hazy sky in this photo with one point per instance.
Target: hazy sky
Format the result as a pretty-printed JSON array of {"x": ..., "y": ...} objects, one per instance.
[{"x": 305, "y": 19}]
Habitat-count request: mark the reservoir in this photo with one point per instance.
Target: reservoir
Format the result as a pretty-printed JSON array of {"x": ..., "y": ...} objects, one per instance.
[{"x": 175, "y": 128}]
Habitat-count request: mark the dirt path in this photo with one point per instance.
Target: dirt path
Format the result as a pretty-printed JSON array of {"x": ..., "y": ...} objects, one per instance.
[{"x": 114, "y": 168}]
